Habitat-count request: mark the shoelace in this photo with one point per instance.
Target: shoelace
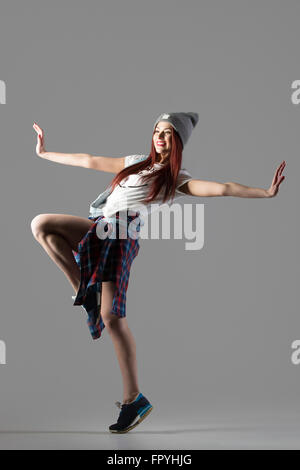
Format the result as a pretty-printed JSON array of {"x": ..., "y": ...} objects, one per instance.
[{"x": 121, "y": 405}]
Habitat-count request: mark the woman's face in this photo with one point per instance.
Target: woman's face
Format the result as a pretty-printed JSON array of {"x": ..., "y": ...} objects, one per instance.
[{"x": 162, "y": 138}]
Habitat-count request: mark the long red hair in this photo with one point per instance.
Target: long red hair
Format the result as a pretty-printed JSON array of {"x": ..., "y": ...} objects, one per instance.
[{"x": 164, "y": 177}]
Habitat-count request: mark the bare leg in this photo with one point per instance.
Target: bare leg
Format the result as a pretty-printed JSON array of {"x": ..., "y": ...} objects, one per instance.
[
  {"x": 58, "y": 234},
  {"x": 125, "y": 348},
  {"x": 124, "y": 343},
  {"x": 61, "y": 253}
]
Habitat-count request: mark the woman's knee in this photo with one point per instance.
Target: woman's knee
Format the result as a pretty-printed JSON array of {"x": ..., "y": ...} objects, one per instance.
[
  {"x": 39, "y": 225},
  {"x": 111, "y": 320},
  {"x": 71, "y": 228}
]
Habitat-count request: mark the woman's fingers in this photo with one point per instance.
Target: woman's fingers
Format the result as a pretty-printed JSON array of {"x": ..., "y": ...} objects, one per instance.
[
  {"x": 40, "y": 138},
  {"x": 276, "y": 186},
  {"x": 274, "y": 181},
  {"x": 38, "y": 129},
  {"x": 278, "y": 172},
  {"x": 281, "y": 167}
]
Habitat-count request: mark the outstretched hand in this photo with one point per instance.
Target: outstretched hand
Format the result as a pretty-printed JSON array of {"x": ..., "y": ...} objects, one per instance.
[
  {"x": 277, "y": 180},
  {"x": 40, "y": 149}
]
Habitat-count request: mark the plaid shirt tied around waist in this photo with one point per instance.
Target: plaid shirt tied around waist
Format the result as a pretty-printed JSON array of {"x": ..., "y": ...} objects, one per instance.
[{"x": 106, "y": 259}]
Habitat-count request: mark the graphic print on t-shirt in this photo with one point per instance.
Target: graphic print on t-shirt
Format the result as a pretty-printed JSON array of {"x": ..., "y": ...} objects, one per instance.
[{"x": 136, "y": 179}]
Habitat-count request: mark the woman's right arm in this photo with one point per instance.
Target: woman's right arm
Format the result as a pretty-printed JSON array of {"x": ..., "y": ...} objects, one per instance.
[
  {"x": 74, "y": 159},
  {"x": 85, "y": 160}
]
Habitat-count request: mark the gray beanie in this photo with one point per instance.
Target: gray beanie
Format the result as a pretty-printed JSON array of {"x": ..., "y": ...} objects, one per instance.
[{"x": 183, "y": 123}]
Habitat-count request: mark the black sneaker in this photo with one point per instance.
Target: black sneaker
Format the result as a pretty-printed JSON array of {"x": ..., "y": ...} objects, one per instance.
[{"x": 131, "y": 414}]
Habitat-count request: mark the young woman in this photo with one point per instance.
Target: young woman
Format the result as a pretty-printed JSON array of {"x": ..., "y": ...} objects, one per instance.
[{"x": 98, "y": 268}]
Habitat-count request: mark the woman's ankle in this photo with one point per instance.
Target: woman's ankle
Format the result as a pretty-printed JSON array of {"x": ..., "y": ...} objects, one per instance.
[{"x": 131, "y": 398}]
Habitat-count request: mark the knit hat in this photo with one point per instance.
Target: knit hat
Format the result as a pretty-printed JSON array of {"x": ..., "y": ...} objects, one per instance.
[{"x": 183, "y": 123}]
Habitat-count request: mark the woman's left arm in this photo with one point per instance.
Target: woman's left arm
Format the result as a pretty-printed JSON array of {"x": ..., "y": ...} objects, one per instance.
[
  {"x": 238, "y": 190},
  {"x": 212, "y": 188}
]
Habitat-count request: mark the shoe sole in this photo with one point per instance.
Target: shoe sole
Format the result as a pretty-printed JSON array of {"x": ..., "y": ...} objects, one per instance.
[{"x": 133, "y": 425}]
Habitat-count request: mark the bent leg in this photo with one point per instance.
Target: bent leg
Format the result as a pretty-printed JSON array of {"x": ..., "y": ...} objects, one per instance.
[
  {"x": 59, "y": 234},
  {"x": 123, "y": 341}
]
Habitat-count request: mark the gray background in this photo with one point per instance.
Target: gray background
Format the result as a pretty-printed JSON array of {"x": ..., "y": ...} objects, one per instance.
[{"x": 213, "y": 327}]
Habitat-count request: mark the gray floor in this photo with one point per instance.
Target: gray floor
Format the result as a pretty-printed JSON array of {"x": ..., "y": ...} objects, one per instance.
[{"x": 283, "y": 434}]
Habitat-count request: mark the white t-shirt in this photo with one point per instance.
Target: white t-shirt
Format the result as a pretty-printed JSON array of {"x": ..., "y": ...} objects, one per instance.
[{"x": 130, "y": 192}]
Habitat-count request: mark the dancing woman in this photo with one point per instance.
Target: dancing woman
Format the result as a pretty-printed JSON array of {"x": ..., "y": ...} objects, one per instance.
[{"x": 98, "y": 267}]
